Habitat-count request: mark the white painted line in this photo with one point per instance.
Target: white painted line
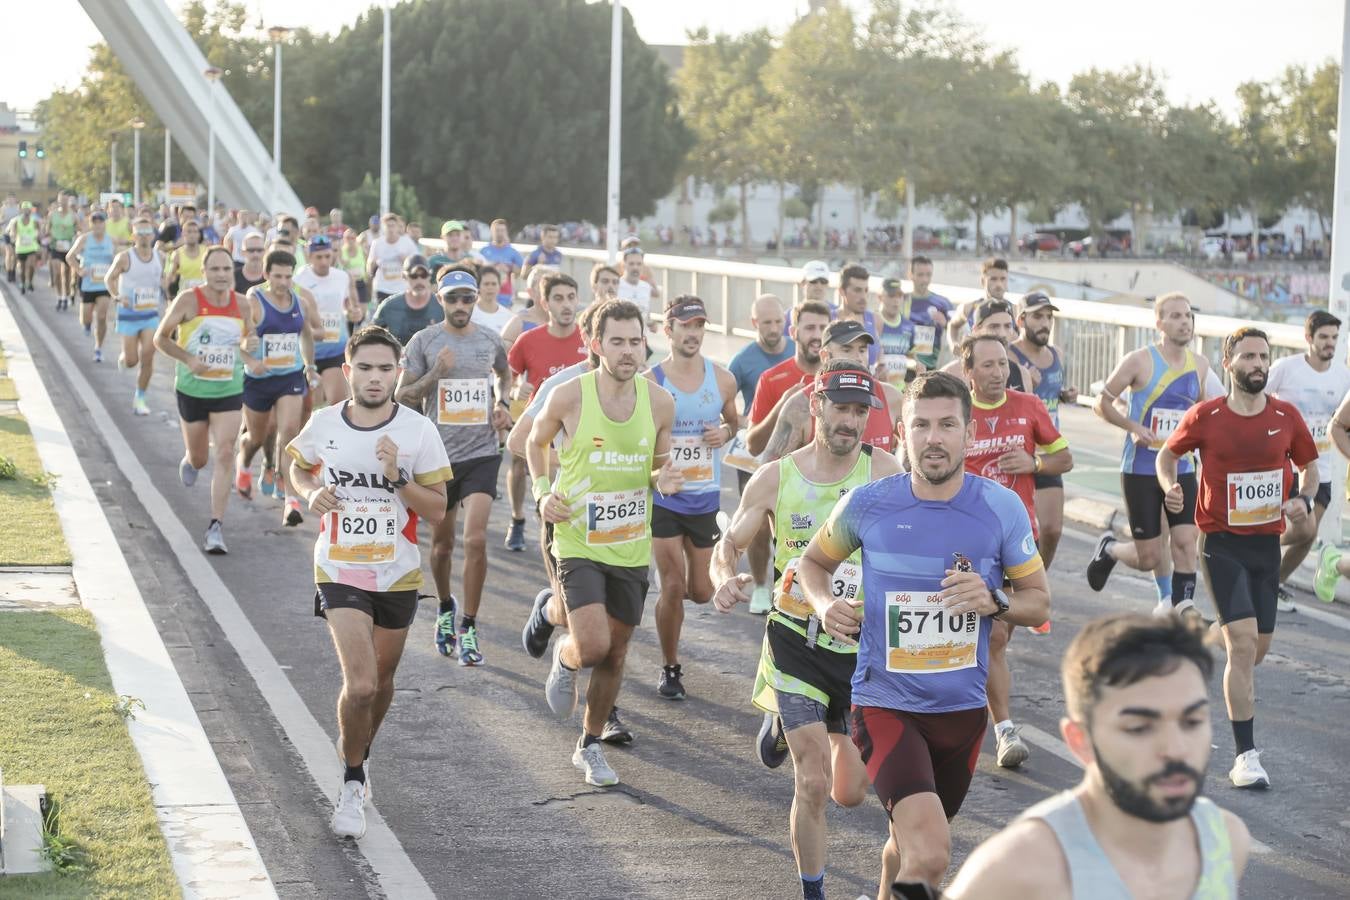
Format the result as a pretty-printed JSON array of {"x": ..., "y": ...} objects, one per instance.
[
  {"x": 186, "y": 782},
  {"x": 395, "y": 870},
  {"x": 1321, "y": 615}
]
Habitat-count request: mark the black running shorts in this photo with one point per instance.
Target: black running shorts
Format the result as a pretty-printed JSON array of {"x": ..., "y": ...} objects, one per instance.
[
  {"x": 622, "y": 589},
  {"x": 1144, "y": 504},
  {"x": 199, "y": 409},
  {"x": 1242, "y": 572},
  {"x": 389, "y": 609},
  {"x": 472, "y": 476},
  {"x": 700, "y": 528}
]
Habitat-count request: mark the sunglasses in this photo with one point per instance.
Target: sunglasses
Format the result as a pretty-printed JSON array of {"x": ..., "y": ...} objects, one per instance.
[
  {"x": 419, "y": 276},
  {"x": 253, "y": 249},
  {"x": 460, "y": 297}
]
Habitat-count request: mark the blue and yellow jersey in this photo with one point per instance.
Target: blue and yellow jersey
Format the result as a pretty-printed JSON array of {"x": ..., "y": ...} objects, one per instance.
[{"x": 1159, "y": 408}]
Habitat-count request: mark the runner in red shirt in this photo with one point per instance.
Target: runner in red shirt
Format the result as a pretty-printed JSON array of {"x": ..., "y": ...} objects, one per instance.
[
  {"x": 1246, "y": 441},
  {"x": 809, "y": 319},
  {"x": 1013, "y": 441}
]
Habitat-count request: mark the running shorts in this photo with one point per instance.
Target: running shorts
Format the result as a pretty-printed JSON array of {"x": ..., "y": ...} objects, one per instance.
[
  {"x": 919, "y": 753},
  {"x": 261, "y": 394},
  {"x": 330, "y": 362},
  {"x": 472, "y": 476},
  {"x": 622, "y": 589},
  {"x": 23, "y": 257},
  {"x": 199, "y": 409},
  {"x": 1044, "y": 482},
  {"x": 700, "y": 528},
  {"x": 133, "y": 327},
  {"x": 1322, "y": 498},
  {"x": 742, "y": 479},
  {"x": 1144, "y": 504},
  {"x": 92, "y": 296},
  {"x": 1242, "y": 572},
  {"x": 801, "y": 682},
  {"x": 389, "y": 609}
]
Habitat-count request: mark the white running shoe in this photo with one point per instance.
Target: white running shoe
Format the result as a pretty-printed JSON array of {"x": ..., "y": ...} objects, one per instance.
[
  {"x": 591, "y": 760},
  {"x": 560, "y": 688},
  {"x": 215, "y": 540},
  {"x": 186, "y": 473},
  {"x": 1247, "y": 771},
  {"x": 1011, "y": 749},
  {"x": 349, "y": 818},
  {"x": 365, "y": 766}
]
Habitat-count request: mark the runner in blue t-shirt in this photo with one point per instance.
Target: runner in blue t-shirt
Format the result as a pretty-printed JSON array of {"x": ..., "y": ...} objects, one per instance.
[
  {"x": 928, "y": 311},
  {"x": 943, "y": 553},
  {"x": 504, "y": 257},
  {"x": 769, "y": 349}
]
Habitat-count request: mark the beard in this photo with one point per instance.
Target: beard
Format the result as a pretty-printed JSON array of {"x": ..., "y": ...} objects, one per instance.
[
  {"x": 840, "y": 441},
  {"x": 942, "y": 477},
  {"x": 1134, "y": 800},
  {"x": 360, "y": 399},
  {"x": 1039, "y": 338},
  {"x": 1253, "y": 382}
]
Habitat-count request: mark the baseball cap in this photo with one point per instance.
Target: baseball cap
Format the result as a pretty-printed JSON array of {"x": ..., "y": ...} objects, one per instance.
[
  {"x": 687, "y": 310},
  {"x": 848, "y": 386},
  {"x": 416, "y": 261},
  {"x": 98, "y": 214},
  {"x": 815, "y": 270},
  {"x": 457, "y": 280},
  {"x": 892, "y": 286},
  {"x": 1036, "y": 300},
  {"x": 27, "y": 204},
  {"x": 992, "y": 308},
  {"x": 632, "y": 250},
  {"x": 845, "y": 332},
  {"x": 452, "y": 225},
  {"x": 374, "y": 220},
  {"x": 320, "y": 242}
]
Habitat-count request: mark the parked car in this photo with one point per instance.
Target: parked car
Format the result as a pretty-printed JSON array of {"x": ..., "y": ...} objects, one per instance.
[{"x": 1041, "y": 241}]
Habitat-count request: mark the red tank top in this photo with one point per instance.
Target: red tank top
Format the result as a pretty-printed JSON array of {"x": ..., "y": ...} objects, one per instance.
[{"x": 206, "y": 308}]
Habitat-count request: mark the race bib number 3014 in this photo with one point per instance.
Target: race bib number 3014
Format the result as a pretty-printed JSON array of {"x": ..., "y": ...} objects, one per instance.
[
  {"x": 463, "y": 401},
  {"x": 922, "y": 637}
]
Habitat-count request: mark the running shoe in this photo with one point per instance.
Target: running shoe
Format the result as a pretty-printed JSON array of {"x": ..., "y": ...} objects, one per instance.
[
  {"x": 515, "y": 536},
  {"x": 1324, "y": 582},
  {"x": 365, "y": 767},
  {"x": 560, "y": 688},
  {"x": 591, "y": 760},
  {"x": 671, "y": 685},
  {"x": 215, "y": 540},
  {"x": 615, "y": 731},
  {"x": 535, "y": 635},
  {"x": 771, "y": 745},
  {"x": 293, "y": 515},
  {"x": 187, "y": 473},
  {"x": 445, "y": 629},
  {"x": 121, "y": 362},
  {"x": 1284, "y": 601},
  {"x": 1041, "y": 629},
  {"x": 1011, "y": 749},
  {"x": 761, "y": 601},
  {"x": 88, "y": 330},
  {"x": 1163, "y": 608},
  {"x": 269, "y": 481},
  {"x": 1247, "y": 771},
  {"x": 469, "y": 654},
  {"x": 349, "y": 818},
  {"x": 98, "y": 356},
  {"x": 138, "y": 406},
  {"x": 1100, "y": 566},
  {"x": 243, "y": 482}
]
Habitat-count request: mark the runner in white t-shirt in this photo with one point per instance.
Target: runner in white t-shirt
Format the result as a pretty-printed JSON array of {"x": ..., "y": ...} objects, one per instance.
[
  {"x": 369, "y": 469},
  {"x": 384, "y": 263},
  {"x": 488, "y": 312},
  {"x": 633, "y": 287},
  {"x": 1316, "y": 384}
]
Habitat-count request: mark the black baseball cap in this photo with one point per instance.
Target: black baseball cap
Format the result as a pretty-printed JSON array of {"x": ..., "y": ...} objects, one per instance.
[
  {"x": 892, "y": 286},
  {"x": 845, "y": 331},
  {"x": 848, "y": 386},
  {"x": 687, "y": 310},
  {"x": 416, "y": 261},
  {"x": 992, "y": 308},
  {"x": 1036, "y": 300}
]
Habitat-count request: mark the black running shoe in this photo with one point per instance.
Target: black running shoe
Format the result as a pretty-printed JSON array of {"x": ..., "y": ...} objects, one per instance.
[
  {"x": 615, "y": 732},
  {"x": 671, "y": 687},
  {"x": 537, "y": 631},
  {"x": 772, "y": 744},
  {"x": 1100, "y": 566}
]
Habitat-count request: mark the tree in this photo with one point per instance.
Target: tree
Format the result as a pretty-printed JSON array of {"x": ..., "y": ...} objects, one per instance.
[
  {"x": 359, "y": 204},
  {"x": 1264, "y": 177},
  {"x": 1306, "y": 123}
]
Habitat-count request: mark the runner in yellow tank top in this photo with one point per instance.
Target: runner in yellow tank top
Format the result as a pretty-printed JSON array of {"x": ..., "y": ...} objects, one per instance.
[{"x": 614, "y": 429}]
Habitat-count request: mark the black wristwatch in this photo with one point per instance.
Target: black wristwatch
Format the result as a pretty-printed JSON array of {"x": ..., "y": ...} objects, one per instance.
[
  {"x": 1001, "y": 599},
  {"x": 403, "y": 479},
  {"x": 1307, "y": 500}
]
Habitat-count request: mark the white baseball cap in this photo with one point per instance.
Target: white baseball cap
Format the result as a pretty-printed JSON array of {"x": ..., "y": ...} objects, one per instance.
[{"x": 815, "y": 270}]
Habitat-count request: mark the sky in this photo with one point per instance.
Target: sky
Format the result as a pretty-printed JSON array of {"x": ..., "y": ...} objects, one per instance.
[{"x": 1204, "y": 48}]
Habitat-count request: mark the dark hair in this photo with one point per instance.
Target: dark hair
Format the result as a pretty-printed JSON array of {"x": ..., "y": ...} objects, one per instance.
[
  {"x": 810, "y": 306},
  {"x": 278, "y": 258},
  {"x": 681, "y": 298},
  {"x": 1320, "y": 318},
  {"x": 919, "y": 260},
  {"x": 373, "y": 335},
  {"x": 482, "y": 271},
  {"x": 587, "y": 319},
  {"x": 603, "y": 267},
  {"x": 993, "y": 262},
  {"x": 550, "y": 228},
  {"x": 616, "y": 311},
  {"x": 288, "y": 220},
  {"x": 850, "y": 272},
  {"x": 1123, "y": 649},
  {"x": 1246, "y": 331},
  {"x": 554, "y": 280},
  {"x": 936, "y": 384},
  {"x": 968, "y": 348}
]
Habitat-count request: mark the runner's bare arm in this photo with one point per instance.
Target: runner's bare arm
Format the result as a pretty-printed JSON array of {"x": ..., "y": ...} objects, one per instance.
[
  {"x": 427, "y": 500},
  {"x": 73, "y": 254},
  {"x": 413, "y": 388},
  {"x": 895, "y": 400},
  {"x": 1241, "y": 841},
  {"x": 352, "y": 302},
  {"x": 841, "y": 619},
  {"x": 790, "y": 431},
  {"x": 1029, "y": 599},
  {"x": 170, "y": 269},
  {"x": 664, "y": 477},
  {"x": 1127, "y": 376},
  {"x": 1340, "y": 427},
  {"x": 113, "y": 278},
  {"x": 1056, "y": 463},
  {"x": 546, "y": 427},
  {"x": 1023, "y": 860},
  {"x": 719, "y": 433},
  {"x": 177, "y": 313},
  {"x": 1166, "y": 468},
  {"x": 756, "y": 506},
  {"x": 307, "y": 335},
  {"x": 759, "y": 432}
]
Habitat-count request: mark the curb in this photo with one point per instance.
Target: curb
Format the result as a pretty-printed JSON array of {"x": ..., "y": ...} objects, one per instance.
[{"x": 209, "y": 842}]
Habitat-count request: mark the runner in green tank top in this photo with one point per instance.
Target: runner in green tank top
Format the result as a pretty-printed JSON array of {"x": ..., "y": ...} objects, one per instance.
[
  {"x": 614, "y": 429},
  {"x": 803, "y": 682},
  {"x": 60, "y": 227}
]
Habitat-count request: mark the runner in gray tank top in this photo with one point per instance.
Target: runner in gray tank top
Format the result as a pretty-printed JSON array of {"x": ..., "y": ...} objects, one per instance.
[{"x": 1136, "y": 688}]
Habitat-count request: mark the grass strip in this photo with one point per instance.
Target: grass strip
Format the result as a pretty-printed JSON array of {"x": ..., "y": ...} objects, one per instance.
[{"x": 30, "y": 532}]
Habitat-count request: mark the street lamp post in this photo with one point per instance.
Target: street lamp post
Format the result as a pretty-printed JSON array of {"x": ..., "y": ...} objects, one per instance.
[
  {"x": 615, "y": 109},
  {"x": 168, "y": 150},
  {"x": 112, "y": 165},
  {"x": 212, "y": 74},
  {"x": 136, "y": 125},
  {"x": 277, "y": 33},
  {"x": 384, "y": 119}
]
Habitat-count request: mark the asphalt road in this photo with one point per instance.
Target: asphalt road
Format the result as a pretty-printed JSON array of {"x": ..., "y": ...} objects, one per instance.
[{"x": 473, "y": 774}]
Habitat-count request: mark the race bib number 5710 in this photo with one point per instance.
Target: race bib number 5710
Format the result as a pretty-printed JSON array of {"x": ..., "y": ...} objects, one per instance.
[{"x": 922, "y": 637}]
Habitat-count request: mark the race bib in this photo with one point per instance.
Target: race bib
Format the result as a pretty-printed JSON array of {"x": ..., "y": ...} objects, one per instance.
[
  {"x": 737, "y": 455},
  {"x": 1319, "y": 426},
  {"x": 924, "y": 338},
  {"x": 333, "y": 324},
  {"x": 1255, "y": 498},
  {"x": 922, "y": 637},
  {"x": 61, "y": 246},
  {"x": 896, "y": 366},
  {"x": 1162, "y": 422},
  {"x": 692, "y": 457},
  {"x": 145, "y": 299},
  {"x": 846, "y": 584},
  {"x": 463, "y": 401},
  {"x": 391, "y": 274},
  {"x": 281, "y": 351},
  {"x": 219, "y": 359},
  {"x": 616, "y": 517},
  {"x": 190, "y": 283},
  {"x": 96, "y": 273},
  {"x": 363, "y": 534}
]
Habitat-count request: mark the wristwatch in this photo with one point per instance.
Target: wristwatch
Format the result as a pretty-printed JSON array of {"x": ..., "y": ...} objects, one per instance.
[
  {"x": 403, "y": 479},
  {"x": 1307, "y": 500},
  {"x": 1001, "y": 599}
]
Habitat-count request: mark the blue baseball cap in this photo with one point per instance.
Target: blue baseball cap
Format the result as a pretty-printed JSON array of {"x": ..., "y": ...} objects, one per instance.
[
  {"x": 320, "y": 242},
  {"x": 457, "y": 280}
]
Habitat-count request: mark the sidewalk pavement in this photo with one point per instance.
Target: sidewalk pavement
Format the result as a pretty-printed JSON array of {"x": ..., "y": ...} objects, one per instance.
[{"x": 213, "y": 853}]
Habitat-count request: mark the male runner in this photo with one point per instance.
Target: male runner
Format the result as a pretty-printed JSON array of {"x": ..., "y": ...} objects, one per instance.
[
  {"x": 338, "y": 308},
  {"x": 534, "y": 314},
  {"x": 853, "y": 293},
  {"x": 90, "y": 258},
  {"x": 446, "y": 374},
  {"x": 1316, "y": 385},
  {"x": 119, "y": 226},
  {"x": 1014, "y": 441},
  {"x": 208, "y": 330},
  {"x": 547, "y": 253},
  {"x": 634, "y": 288},
  {"x": 388, "y": 256},
  {"x": 8, "y": 210},
  {"x": 803, "y": 682},
  {"x": 1164, "y": 379},
  {"x": 60, "y": 228},
  {"x": 251, "y": 273},
  {"x": 488, "y": 312},
  {"x": 1035, "y": 319},
  {"x": 534, "y": 356},
  {"x": 408, "y": 313},
  {"x": 937, "y": 545},
  {"x": 928, "y": 311},
  {"x": 136, "y": 278},
  {"x": 615, "y": 427},
  {"x": 995, "y": 318},
  {"x": 499, "y": 253},
  {"x": 1136, "y": 692},
  {"x": 604, "y": 283},
  {"x": 896, "y": 363},
  {"x": 234, "y": 238},
  {"x": 809, "y": 320},
  {"x": 368, "y": 469},
  {"x": 459, "y": 247},
  {"x": 684, "y": 526},
  {"x": 1246, "y": 442},
  {"x": 813, "y": 287},
  {"x": 183, "y": 268},
  {"x": 352, "y": 258},
  {"x": 994, "y": 283},
  {"x": 25, "y": 232},
  {"x": 275, "y": 387}
]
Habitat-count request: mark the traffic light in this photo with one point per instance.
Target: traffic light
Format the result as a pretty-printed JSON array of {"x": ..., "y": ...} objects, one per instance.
[
  {"x": 41, "y": 153},
  {"x": 23, "y": 149}
]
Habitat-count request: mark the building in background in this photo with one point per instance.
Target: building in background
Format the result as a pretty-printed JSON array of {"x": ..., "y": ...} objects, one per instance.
[{"x": 25, "y": 166}]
